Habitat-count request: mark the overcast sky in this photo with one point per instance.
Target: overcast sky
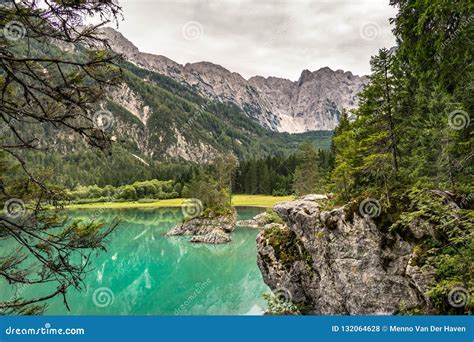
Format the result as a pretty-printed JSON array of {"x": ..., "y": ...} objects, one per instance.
[{"x": 262, "y": 37}]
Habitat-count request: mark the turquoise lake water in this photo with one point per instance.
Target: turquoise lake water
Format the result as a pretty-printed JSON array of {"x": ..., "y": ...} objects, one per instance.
[{"x": 145, "y": 273}]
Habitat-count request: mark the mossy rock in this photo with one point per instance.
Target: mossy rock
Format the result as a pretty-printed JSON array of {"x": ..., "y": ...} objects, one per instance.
[
  {"x": 288, "y": 248},
  {"x": 272, "y": 217}
]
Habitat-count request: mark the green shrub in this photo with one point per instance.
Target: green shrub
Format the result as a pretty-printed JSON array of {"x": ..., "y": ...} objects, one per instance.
[{"x": 288, "y": 248}]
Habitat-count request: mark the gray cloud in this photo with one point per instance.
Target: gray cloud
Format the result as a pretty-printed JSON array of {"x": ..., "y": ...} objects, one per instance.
[{"x": 267, "y": 38}]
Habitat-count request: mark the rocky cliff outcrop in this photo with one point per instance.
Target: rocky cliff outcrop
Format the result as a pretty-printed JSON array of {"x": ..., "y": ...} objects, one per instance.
[
  {"x": 313, "y": 102},
  {"x": 339, "y": 262},
  {"x": 131, "y": 101}
]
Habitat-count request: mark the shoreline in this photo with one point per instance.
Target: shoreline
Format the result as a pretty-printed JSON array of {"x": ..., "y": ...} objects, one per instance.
[{"x": 263, "y": 201}]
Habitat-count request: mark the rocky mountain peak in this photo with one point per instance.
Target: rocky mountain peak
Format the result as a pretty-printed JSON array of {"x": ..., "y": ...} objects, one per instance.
[
  {"x": 314, "y": 102},
  {"x": 325, "y": 70},
  {"x": 207, "y": 66},
  {"x": 119, "y": 43},
  {"x": 306, "y": 76}
]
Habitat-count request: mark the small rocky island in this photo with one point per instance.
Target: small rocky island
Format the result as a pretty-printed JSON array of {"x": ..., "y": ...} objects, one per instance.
[
  {"x": 209, "y": 227},
  {"x": 215, "y": 228}
]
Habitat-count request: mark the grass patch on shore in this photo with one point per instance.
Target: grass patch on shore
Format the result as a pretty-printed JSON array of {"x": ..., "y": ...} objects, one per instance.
[
  {"x": 237, "y": 200},
  {"x": 259, "y": 200}
]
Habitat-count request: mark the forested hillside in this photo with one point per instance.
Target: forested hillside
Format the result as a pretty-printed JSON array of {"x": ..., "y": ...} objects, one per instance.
[{"x": 155, "y": 124}]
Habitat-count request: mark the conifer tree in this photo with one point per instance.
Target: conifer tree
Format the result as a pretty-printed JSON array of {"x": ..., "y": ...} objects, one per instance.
[
  {"x": 368, "y": 152},
  {"x": 306, "y": 178}
]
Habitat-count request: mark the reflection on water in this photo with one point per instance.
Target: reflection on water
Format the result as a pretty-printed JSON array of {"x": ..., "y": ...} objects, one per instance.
[{"x": 145, "y": 273}]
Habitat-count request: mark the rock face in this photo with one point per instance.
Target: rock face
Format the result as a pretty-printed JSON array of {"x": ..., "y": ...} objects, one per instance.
[
  {"x": 314, "y": 102},
  {"x": 339, "y": 263},
  {"x": 132, "y": 102},
  {"x": 212, "y": 229}
]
